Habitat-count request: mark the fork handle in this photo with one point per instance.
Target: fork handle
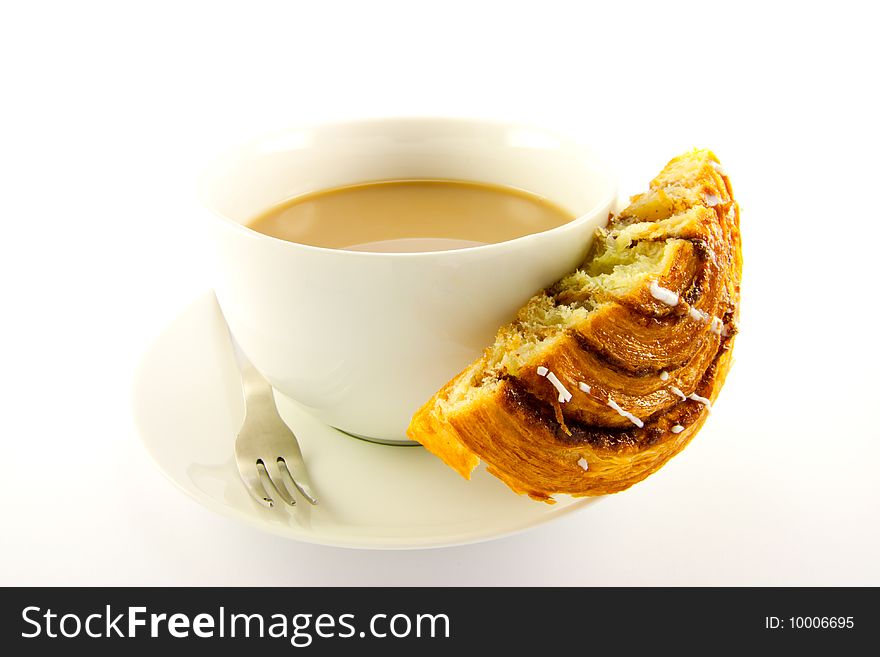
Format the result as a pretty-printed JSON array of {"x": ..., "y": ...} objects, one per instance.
[{"x": 257, "y": 390}]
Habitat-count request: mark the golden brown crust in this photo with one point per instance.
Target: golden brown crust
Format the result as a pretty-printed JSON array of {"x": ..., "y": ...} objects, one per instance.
[{"x": 633, "y": 350}]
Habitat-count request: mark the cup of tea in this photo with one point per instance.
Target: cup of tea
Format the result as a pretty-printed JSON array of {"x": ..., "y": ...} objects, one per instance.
[{"x": 363, "y": 264}]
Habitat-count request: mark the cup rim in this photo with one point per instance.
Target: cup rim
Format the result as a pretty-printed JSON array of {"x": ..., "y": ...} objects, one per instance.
[{"x": 609, "y": 198}]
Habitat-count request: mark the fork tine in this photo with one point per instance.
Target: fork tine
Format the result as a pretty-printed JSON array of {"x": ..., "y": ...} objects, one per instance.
[
  {"x": 254, "y": 485},
  {"x": 300, "y": 485},
  {"x": 274, "y": 475}
]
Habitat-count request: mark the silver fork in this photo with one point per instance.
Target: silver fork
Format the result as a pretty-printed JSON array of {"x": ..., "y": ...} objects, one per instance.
[{"x": 266, "y": 450}]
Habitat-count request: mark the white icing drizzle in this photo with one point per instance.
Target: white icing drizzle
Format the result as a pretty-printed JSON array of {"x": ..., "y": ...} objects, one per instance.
[
  {"x": 694, "y": 396},
  {"x": 677, "y": 429},
  {"x": 583, "y": 463},
  {"x": 716, "y": 326},
  {"x": 583, "y": 386},
  {"x": 564, "y": 394},
  {"x": 664, "y": 375},
  {"x": 712, "y": 200},
  {"x": 629, "y": 416},
  {"x": 698, "y": 315},
  {"x": 705, "y": 402},
  {"x": 731, "y": 214},
  {"x": 717, "y": 166},
  {"x": 663, "y": 295}
]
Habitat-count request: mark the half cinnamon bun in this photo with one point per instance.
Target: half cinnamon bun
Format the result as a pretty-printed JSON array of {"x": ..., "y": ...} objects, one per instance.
[{"x": 606, "y": 375}]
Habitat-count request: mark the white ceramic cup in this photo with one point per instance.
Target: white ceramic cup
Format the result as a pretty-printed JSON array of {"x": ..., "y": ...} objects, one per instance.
[{"x": 362, "y": 339}]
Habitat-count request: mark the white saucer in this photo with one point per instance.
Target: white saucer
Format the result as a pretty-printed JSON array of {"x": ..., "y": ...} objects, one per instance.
[{"x": 188, "y": 407}]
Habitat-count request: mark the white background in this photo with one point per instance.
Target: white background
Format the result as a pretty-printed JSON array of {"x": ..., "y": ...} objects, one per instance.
[{"x": 109, "y": 110}]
